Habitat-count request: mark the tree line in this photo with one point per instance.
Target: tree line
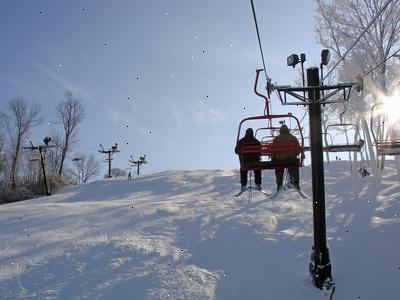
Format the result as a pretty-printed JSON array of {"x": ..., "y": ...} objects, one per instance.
[
  {"x": 369, "y": 32},
  {"x": 21, "y": 176}
]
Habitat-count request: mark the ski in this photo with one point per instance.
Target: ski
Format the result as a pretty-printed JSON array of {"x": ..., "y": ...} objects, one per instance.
[
  {"x": 265, "y": 192},
  {"x": 274, "y": 195},
  {"x": 238, "y": 194},
  {"x": 329, "y": 288},
  {"x": 248, "y": 188},
  {"x": 304, "y": 196}
]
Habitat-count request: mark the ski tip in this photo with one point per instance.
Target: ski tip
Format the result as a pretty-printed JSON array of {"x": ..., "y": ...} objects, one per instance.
[{"x": 329, "y": 288}]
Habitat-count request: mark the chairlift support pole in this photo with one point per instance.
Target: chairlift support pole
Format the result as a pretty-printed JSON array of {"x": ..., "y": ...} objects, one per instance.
[
  {"x": 138, "y": 163},
  {"x": 40, "y": 148},
  {"x": 109, "y": 164},
  {"x": 44, "y": 171},
  {"x": 138, "y": 168},
  {"x": 109, "y": 153},
  {"x": 321, "y": 261},
  {"x": 320, "y": 265}
]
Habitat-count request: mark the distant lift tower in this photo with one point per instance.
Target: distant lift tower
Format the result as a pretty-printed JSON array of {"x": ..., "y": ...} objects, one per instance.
[
  {"x": 42, "y": 150},
  {"x": 142, "y": 160},
  {"x": 109, "y": 154},
  {"x": 310, "y": 95}
]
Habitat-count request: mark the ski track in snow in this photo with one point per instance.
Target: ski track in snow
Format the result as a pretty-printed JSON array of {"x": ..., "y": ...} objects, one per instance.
[{"x": 183, "y": 235}]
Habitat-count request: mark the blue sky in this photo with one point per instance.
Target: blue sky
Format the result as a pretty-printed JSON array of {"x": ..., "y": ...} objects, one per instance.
[{"x": 170, "y": 79}]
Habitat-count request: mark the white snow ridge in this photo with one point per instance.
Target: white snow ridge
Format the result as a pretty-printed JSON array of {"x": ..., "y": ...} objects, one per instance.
[{"x": 183, "y": 235}]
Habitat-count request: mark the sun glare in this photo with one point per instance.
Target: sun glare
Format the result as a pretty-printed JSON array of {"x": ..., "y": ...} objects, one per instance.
[{"x": 391, "y": 107}]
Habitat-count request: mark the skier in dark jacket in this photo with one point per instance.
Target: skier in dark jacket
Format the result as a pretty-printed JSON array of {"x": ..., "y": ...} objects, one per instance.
[
  {"x": 249, "y": 158},
  {"x": 287, "y": 156}
]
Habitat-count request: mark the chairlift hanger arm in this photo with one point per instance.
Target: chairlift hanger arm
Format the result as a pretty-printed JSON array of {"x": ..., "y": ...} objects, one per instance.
[
  {"x": 371, "y": 124},
  {"x": 266, "y": 108},
  {"x": 342, "y": 113}
]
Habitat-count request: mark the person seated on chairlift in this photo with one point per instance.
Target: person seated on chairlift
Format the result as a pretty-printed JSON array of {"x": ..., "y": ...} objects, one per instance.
[
  {"x": 249, "y": 158},
  {"x": 285, "y": 157}
]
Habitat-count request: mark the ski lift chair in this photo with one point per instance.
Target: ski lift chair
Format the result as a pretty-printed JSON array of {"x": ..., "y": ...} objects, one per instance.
[
  {"x": 384, "y": 146},
  {"x": 333, "y": 130},
  {"x": 34, "y": 156},
  {"x": 331, "y": 143},
  {"x": 267, "y": 149}
]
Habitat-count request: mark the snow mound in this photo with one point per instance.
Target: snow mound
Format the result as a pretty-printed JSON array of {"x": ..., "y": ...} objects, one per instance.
[{"x": 182, "y": 235}]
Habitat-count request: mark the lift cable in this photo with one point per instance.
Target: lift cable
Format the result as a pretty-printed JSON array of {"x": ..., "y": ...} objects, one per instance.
[
  {"x": 361, "y": 35},
  {"x": 259, "y": 39},
  {"x": 394, "y": 54},
  {"x": 381, "y": 63}
]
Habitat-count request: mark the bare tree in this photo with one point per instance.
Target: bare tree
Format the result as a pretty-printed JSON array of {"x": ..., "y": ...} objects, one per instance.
[
  {"x": 2, "y": 154},
  {"x": 87, "y": 167},
  {"x": 71, "y": 113},
  {"x": 116, "y": 172},
  {"x": 2, "y": 140},
  {"x": 19, "y": 118},
  {"x": 339, "y": 23}
]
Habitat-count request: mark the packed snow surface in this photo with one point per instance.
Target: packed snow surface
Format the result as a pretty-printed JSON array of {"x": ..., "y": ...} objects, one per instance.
[{"x": 183, "y": 235}]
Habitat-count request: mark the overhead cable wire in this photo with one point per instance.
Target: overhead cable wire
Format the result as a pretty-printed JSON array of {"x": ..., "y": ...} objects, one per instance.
[
  {"x": 361, "y": 35},
  {"x": 259, "y": 39},
  {"x": 381, "y": 63}
]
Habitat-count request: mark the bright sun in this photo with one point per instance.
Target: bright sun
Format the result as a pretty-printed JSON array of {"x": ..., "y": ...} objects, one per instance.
[{"x": 391, "y": 107}]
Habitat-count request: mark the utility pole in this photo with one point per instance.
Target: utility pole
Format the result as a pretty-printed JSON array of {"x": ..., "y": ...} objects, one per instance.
[
  {"x": 109, "y": 153},
  {"x": 139, "y": 162},
  {"x": 42, "y": 149}
]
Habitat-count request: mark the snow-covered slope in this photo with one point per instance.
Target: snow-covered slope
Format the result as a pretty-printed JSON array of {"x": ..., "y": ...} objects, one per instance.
[{"x": 182, "y": 235}]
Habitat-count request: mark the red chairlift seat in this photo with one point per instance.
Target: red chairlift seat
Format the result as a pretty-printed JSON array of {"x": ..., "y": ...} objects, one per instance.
[{"x": 267, "y": 149}]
